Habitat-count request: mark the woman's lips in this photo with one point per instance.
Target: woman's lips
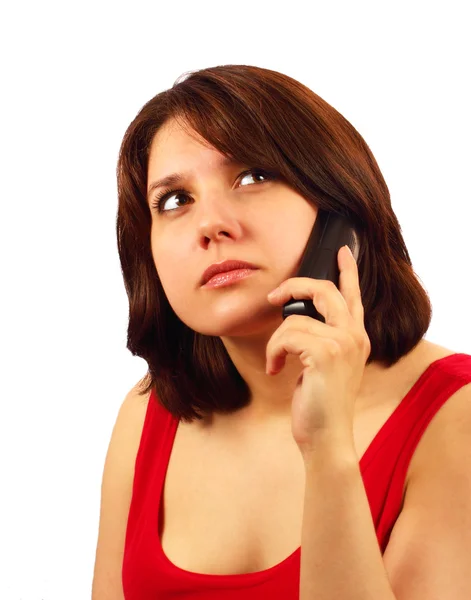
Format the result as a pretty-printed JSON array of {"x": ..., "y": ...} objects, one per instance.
[{"x": 228, "y": 278}]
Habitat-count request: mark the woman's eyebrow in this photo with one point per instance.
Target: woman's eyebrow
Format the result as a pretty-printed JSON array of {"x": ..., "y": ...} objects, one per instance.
[{"x": 176, "y": 178}]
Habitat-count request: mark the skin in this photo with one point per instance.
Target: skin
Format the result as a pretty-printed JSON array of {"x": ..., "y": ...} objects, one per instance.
[{"x": 226, "y": 216}]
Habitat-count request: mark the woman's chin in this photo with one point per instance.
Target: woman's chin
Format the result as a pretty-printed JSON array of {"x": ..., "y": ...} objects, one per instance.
[{"x": 237, "y": 323}]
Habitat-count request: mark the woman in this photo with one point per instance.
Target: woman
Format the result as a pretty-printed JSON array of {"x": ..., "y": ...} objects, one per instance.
[{"x": 264, "y": 457}]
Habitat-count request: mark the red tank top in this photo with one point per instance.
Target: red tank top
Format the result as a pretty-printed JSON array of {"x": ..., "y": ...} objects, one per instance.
[{"x": 148, "y": 574}]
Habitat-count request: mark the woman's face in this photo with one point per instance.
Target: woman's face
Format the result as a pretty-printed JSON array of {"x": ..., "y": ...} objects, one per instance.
[{"x": 222, "y": 215}]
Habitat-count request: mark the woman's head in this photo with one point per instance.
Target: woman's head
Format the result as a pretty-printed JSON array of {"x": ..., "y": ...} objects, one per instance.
[
  {"x": 308, "y": 157},
  {"x": 224, "y": 211}
]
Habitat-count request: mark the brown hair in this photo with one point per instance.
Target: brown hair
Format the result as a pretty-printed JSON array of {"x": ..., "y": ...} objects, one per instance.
[{"x": 266, "y": 119}]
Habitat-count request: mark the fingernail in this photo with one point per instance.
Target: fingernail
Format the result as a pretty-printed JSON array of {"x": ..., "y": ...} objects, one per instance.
[
  {"x": 350, "y": 252},
  {"x": 274, "y": 292}
]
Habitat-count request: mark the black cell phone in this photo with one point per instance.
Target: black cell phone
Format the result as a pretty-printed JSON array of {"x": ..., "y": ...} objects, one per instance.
[{"x": 331, "y": 231}]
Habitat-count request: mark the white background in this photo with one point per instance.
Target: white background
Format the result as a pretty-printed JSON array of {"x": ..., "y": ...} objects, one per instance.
[{"x": 74, "y": 75}]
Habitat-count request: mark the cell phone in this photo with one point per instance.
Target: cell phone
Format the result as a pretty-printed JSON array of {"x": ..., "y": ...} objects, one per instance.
[{"x": 330, "y": 232}]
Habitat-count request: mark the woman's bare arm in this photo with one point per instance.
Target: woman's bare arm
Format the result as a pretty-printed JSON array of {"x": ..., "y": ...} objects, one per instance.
[{"x": 116, "y": 490}]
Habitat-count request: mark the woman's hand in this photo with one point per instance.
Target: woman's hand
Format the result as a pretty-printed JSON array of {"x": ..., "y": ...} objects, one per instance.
[{"x": 333, "y": 353}]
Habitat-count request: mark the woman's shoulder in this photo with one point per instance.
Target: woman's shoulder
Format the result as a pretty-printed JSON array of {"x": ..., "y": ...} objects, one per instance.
[
  {"x": 451, "y": 422},
  {"x": 126, "y": 434},
  {"x": 132, "y": 414}
]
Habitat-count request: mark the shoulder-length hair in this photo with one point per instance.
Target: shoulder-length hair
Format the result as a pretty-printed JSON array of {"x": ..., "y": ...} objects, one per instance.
[{"x": 263, "y": 118}]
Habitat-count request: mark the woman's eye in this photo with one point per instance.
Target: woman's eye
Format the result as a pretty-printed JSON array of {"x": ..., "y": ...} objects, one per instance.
[
  {"x": 162, "y": 198},
  {"x": 258, "y": 171},
  {"x": 164, "y": 195}
]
